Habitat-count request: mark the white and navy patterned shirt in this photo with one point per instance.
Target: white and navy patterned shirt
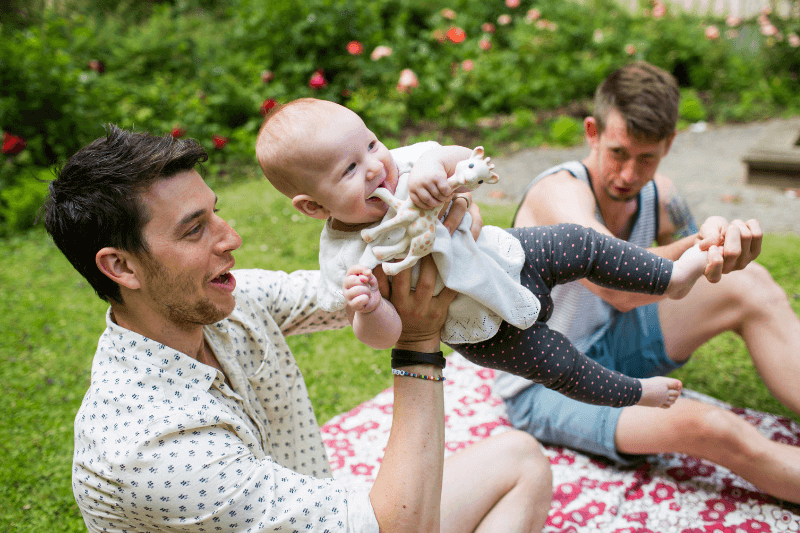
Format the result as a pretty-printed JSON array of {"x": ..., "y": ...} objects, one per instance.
[{"x": 163, "y": 444}]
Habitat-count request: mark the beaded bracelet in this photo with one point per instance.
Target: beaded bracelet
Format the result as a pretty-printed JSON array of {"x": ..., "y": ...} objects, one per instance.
[
  {"x": 397, "y": 372},
  {"x": 407, "y": 358}
]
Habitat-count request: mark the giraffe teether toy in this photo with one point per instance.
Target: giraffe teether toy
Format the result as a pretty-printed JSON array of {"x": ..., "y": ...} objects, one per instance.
[{"x": 420, "y": 224}]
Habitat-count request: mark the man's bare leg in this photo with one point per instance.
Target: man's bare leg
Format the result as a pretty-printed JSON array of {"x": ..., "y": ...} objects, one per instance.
[
  {"x": 747, "y": 302},
  {"x": 708, "y": 432},
  {"x": 500, "y": 484}
]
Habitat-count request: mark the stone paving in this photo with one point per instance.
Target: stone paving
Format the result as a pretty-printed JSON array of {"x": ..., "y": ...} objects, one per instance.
[{"x": 706, "y": 166}]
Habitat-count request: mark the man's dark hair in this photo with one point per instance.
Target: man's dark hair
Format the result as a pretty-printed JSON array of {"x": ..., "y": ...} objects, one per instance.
[
  {"x": 95, "y": 200},
  {"x": 646, "y": 96}
]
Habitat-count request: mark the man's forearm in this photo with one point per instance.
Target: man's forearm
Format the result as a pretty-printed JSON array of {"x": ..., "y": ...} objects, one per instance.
[{"x": 406, "y": 495}]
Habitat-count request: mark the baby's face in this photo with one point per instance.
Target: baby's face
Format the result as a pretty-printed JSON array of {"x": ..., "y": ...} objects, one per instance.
[{"x": 352, "y": 164}]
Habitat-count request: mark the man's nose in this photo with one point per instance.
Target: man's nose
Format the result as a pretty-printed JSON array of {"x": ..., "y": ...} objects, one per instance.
[
  {"x": 628, "y": 171},
  {"x": 229, "y": 238}
]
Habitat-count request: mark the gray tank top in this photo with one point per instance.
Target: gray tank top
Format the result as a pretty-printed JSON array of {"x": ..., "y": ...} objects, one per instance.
[{"x": 577, "y": 312}]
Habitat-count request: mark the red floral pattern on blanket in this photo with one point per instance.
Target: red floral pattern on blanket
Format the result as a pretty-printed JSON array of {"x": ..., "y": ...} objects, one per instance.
[{"x": 667, "y": 493}]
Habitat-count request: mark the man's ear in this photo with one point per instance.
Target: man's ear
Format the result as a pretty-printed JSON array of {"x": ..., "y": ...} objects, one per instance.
[
  {"x": 590, "y": 131},
  {"x": 669, "y": 142},
  {"x": 117, "y": 265},
  {"x": 306, "y": 205}
]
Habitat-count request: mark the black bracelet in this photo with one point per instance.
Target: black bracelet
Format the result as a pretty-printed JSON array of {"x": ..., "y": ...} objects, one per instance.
[{"x": 408, "y": 358}]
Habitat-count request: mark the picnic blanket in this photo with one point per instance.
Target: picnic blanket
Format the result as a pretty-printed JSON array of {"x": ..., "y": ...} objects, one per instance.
[{"x": 667, "y": 493}]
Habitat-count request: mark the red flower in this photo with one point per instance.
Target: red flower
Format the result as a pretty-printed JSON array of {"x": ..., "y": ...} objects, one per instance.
[
  {"x": 266, "y": 105},
  {"x": 177, "y": 132},
  {"x": 318, "y": 80},
  {"x": 355, "y": 48},
  {"x": 13, "y": 144},
  {"x": 97, "y": 65},
  {"x": 219, "y": 141}
]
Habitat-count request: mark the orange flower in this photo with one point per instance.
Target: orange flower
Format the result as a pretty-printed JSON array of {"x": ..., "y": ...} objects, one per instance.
[{"x": 456, "y": 34}]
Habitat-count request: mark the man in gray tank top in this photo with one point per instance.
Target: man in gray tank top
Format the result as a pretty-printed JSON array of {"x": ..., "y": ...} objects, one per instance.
[{"x": 618, "y": 191}]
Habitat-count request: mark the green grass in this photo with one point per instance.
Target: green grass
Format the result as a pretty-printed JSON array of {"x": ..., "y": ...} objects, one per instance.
[{"x": 53, "y": 320}]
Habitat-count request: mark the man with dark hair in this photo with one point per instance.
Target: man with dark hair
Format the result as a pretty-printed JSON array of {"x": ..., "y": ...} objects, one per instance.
[
  {"x": 197, "y": 417},
  {"x": 617, "y": 190}
]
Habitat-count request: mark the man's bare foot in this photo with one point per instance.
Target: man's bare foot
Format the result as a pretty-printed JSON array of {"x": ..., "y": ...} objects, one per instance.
[
  {"x": 686, "y": 271},
  {"x": 660, "y": 391}
]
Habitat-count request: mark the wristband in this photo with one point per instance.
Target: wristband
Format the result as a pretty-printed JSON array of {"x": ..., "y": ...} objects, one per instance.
[
  {"x": 408, "y": 358},
  {"x": 418, "y": 376}
]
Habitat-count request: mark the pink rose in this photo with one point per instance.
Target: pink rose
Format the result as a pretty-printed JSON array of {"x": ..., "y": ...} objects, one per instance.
[
  {"x": 533, "y": 14},
  {"x": 485, "y": 44},
  {"x": 318, "y": 80},
  {"x": 511, "y": 4},
  {"x": 267, "y": 76},
  {"x": 733, "y": 21},
  {"x": 712, "y": 33},
  {"x": 504, "y": 19},
  {"x": 408, "y": 80},
  {"x": 379, "y": 52},
  {"x": 448, "y": 13},
  {"x": 659, "y": 10},
  {"x": 487, "y": 27},
  {"x": 467, "y": 65},
  {"x": 769, "y": 30},
  {"x": 630, "y": 49},
  {"x": 794, "y": 40}
]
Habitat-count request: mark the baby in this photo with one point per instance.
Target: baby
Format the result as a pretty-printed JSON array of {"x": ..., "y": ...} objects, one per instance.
[{"x": 323, "y": 157}]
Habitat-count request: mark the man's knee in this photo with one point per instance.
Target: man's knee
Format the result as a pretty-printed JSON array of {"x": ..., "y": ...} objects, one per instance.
[
  {"x": 534, "y": 464},
  {"x": 711, "y": 430},
  {"x": 758, "y": 293}
]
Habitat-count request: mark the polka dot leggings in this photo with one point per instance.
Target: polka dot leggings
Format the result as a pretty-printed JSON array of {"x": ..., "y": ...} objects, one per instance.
[{"x": 560, "y": 254}]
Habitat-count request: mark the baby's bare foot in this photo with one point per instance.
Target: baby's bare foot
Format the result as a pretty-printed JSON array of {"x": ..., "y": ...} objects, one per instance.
[
  {"x": 686, "y": 271},
  {"x": 660, "y": 391}
]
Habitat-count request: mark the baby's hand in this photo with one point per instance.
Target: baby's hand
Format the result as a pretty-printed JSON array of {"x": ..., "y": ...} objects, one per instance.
[
  {"x": 361, "y": 292},
  {"x": 427, "y": 185}
]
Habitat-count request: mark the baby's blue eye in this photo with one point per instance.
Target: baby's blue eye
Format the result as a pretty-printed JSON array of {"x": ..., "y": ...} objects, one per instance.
[
  {"x": 350, "y": 168},
  {"x": 373, "y": 144},
  {"x": 472, "y": 165}
]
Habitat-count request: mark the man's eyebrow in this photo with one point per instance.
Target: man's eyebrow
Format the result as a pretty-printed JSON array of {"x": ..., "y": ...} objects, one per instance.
[{"x": 196, "y": 214}]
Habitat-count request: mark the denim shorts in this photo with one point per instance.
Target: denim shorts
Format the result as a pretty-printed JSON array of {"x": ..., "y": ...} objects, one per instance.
[{"x": 632, "y": 345}]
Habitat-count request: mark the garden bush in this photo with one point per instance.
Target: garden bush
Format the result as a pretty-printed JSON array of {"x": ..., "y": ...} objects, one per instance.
[{"x": 509, "y": 73}]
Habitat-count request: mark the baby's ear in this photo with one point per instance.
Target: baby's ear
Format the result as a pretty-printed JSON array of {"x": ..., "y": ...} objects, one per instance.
[{"x": 306, "y": 205}]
